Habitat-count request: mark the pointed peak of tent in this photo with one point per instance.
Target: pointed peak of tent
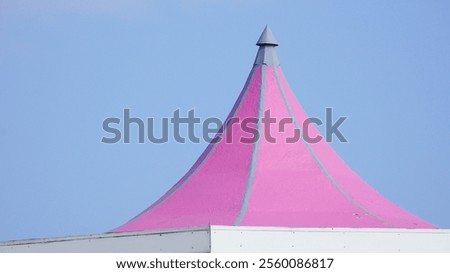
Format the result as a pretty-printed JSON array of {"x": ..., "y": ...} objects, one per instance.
[
  {"x": 266, "y": 53},
  {"x": 267, "y": 38}
]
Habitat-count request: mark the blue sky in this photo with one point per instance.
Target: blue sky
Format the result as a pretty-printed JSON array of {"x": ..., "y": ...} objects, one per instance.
[{"x": 65, "y": 66}]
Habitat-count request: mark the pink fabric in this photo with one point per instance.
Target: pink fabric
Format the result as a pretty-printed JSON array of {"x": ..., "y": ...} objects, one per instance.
[
  {"x": 214, "y": 192},
  {"x": 350, "y": 182},
  {"x": 288, "y": 184},
  {"x": 289, "y": 188}
]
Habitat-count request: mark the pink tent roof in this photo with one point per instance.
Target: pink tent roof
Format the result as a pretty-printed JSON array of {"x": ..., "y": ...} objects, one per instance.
[{"x": 266, "y": 182}]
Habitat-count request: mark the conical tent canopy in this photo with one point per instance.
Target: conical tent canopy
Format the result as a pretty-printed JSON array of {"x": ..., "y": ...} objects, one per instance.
[{"x": 243, "y": 179}]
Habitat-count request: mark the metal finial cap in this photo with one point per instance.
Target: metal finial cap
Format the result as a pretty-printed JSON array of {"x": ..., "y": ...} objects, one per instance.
[{"x": 267, "y": 38}]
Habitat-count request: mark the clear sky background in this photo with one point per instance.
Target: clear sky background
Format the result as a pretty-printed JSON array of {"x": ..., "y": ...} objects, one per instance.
[{"x": 65, "y": 66}]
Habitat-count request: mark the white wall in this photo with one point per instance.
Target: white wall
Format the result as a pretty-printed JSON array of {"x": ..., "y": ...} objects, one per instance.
[
  {"x": 187, "y": 240},
  {"x": 246, "y": 239},
  {"x": 263, "y": 239}
]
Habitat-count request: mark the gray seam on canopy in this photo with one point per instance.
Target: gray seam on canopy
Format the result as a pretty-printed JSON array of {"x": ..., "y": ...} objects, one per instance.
[
  {"x": 205, "y": 155},
  {"x": 317, "y": 160},
  {"x": 251, "y": 172}
]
